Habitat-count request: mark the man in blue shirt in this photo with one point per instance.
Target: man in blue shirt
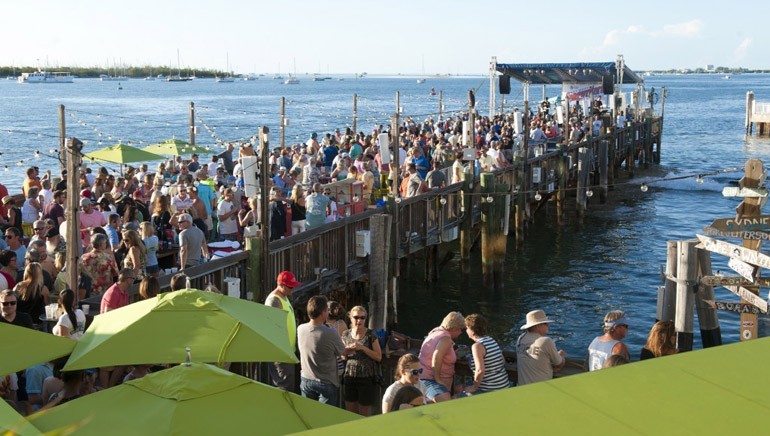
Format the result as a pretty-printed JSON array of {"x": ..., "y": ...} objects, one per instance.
[
  {"x": 113, "y": 224},
  {"x": 421, "y": 162}
]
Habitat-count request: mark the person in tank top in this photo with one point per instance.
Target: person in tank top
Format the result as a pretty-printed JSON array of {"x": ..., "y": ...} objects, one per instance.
[{"x": 609, "y": 344}]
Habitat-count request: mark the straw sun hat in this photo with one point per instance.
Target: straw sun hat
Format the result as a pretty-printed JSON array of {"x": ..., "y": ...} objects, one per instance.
[{"x": 534, "y": 318}]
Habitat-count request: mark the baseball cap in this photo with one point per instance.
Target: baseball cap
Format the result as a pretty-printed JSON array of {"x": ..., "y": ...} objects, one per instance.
[{"x": 287, "y": 278}]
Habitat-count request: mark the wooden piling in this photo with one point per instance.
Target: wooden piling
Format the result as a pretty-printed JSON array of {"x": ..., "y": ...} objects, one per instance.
[
  {"x": 708, "y": 321},
  {"x": 521, "y": 201},
  {"x": 379, "y": 228},
  {"x": 664, "y": 93},
  {"x": 73, "y": 147},
  {"x": 466, "y": 227},
  {"x": 355, "y": 113},
  {"x": 686, "y": 281},
  {"x": 749, "y": 112},
  {"x": 603, "y": 170},
  {"x": 668, "y": 298},
  {"x": 440, "y": 104},
  {"x": 264, "y": 183},
  {"x": 192, "y": 123},
  {"x": 502, "y": 202},
  {"x": 487, "y": 227},
  {"x": 253, "y": 268},
  {"x": 563, "y": 174},
  {"x": 283, "y": 122},
  {"x": 62, "y": 139},
  {"x": 582, "y": 182},
  {"x": 750, "y": 208}
]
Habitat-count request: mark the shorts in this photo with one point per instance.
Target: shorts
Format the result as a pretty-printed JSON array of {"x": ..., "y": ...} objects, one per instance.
[
  {"x": 433, "y": 388},
  {"x": 361, "y": 390},
  {"x": 152, "y": 269}
]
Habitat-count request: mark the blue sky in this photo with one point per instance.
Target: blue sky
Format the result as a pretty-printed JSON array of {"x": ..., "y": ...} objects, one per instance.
[{"x": 395, "y": 36}]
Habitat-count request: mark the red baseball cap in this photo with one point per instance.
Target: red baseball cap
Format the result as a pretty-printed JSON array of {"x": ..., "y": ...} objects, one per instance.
[{"x": 287, "y": 278}]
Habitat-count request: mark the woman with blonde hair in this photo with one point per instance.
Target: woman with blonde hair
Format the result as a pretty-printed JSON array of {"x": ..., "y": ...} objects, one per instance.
[
  {"x": 298, "y": 209},
  {"x": 361, "y": 367},
  {"x": 438, "y": 357},
  {"x": 136, "y": 257},
  {"x": 661, "y": 341},
  {"x": 33, "y": 294},
  {"x": 151, "y": 243},
  {"x": 609, "y": 344}
]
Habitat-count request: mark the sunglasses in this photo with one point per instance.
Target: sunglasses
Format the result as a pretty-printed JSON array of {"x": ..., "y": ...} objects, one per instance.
[
  {"x": 40, "y": 229},
  {"x": 416, "y": 371},
  {"x": 359, "y": 318},
  {"x": 8, "y": 236},
  {"x": 9, "y": 303}
]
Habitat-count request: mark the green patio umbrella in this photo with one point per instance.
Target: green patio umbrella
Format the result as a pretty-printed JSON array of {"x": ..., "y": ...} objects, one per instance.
[
  {"x": 191, "y": 399},
  {"x": 176, "y": 147},
  {"x": 14, "y": 424},
  {"x": 122, "y": 154},
  {"x": 719, "y": 390},
  {"x": 23, "y": 348},
  {"x": 217, "y": 328}
]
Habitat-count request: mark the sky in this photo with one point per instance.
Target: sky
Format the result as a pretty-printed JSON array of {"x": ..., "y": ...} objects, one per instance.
[{"x": 397, "y": 36}]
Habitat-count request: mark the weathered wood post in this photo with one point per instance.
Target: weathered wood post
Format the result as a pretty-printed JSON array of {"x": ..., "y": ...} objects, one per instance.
[
  {"x": 664, "y": 93},
  {"x": 604, "y": 170},
  {"x": 283, "y": 122},
  {"x": 74, "y": 246},
  {"x": 521, "y": 204},
  {"x": 355, "y": 113},
  {"x": 708, "y": 321},
  {"x": 192, "y": 123},
  {"x": 751, "y": 208},
  {"x": 686, "y": 281},
  {"x": 62, "y": 140},
  {"x": 264, "y": 183},
  {"x": 440, "y": 103},
  {"x": 582, "y": 182},
  {"x": 487, "y": 227},
  {"x": 749, "y": 112},
  {"x": 667, "y": 299},
  {"x": 379, "y": 259},
  {"x": 466, "y": 227},
  {"x": 502, "y": 201}
]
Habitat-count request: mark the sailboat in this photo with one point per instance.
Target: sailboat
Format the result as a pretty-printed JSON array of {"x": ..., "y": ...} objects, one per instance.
[
  {"x": 292, "y": 80},
  {"x": 228, "y": 77},
  {"x": 278, "y": 76},
  {"x": 178, "y": 77},
  {"x": 422, "y": 80}
]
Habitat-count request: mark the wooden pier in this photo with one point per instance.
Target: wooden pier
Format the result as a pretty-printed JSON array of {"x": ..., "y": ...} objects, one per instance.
[{"x": 757, "y": 114}]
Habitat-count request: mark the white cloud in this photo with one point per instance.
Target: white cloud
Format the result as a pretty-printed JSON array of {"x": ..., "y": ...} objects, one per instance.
[
  {"x": 740, "y": 52},
  {"x": 612, "y": 38},
  {"x": 689, "y": 29}
]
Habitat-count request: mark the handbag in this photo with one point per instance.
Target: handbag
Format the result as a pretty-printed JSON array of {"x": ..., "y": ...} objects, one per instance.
[{"x": 250, "y": 231}]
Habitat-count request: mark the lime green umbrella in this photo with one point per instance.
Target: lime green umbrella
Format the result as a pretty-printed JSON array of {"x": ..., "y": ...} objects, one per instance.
[
  {"x": 720, "y": 390},
  {"x": 122, "y": 154},
  {"x": 176, "y": 147},
  {"x": 23, "y": 348},
  {"x": 12, "y": 423},
  {"x": 217, "y": 328},
  {"x": 194, "y": 399}
]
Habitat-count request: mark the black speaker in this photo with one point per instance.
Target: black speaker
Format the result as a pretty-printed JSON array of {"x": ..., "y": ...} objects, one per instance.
[
  {"x": 505, "y": 84},
  {"x": 608, "y": 85}
]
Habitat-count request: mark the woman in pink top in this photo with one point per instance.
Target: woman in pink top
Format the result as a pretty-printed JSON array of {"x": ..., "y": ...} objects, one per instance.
[{"x": 437, "y": 357}]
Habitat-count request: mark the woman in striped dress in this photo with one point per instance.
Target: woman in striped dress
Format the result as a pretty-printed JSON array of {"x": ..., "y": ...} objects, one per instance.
[{"x": 488, "y": 364}]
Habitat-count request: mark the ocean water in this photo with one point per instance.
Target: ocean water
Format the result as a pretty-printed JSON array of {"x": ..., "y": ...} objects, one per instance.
[{"x": 575, "y": 272}]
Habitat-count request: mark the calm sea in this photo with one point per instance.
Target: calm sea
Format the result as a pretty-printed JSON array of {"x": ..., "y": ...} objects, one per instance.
[{"x": 575, "y": 273}]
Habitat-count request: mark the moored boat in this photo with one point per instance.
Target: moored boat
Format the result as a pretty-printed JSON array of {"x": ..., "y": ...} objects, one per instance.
[{"x": 45, "y": 77}]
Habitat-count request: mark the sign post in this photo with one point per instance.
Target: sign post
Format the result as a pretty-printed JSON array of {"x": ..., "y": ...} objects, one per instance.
[{"x": 750, "y": 209}]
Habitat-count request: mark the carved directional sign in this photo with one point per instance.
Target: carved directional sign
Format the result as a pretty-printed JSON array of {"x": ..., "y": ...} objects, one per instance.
[
  {"x": 749, "y": 296},
  {"x": 761, "y": 235},
  {"x": 744, "y": 269},
  {"x": 734, "y": 307},
  {"x": 732, "y": 191},
  {"x": 735, "y": 251},
  {"x": 733, "y": 281},
  {"x": 758, "y": 224}
]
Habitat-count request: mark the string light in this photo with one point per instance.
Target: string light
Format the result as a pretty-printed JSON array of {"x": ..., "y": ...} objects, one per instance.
[
  {"x": 589, "y": 193},
  {"x": 538, "y": 197},
  {"x": 644, "y": 187}
]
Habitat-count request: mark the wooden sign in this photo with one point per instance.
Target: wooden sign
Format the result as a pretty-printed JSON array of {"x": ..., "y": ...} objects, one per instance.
[
  {"x": 735, "y": 251},
  {"x": 758, "y": 235},
  {"x": 733, "y": 281},
  {"x": 749, "y": 272},
  {"x": 749, "y": 296},
  {"x": 756, "y": 224},
  {"x": 729, "y": 306},
  {"x": 733, "y": 191}
]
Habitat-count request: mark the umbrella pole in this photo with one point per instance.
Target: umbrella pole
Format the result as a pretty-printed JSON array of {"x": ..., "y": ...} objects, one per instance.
[{"x": 121, "y": 170}]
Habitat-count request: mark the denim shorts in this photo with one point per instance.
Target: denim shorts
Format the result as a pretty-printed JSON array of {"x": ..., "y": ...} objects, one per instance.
[{"x": 433, "y": 388}]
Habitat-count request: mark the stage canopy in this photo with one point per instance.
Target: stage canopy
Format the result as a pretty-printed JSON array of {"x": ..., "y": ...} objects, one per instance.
[{"x": 575, "y": 73}]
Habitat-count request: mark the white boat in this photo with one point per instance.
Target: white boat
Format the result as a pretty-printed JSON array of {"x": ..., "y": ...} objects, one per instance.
[
  {"x": 250, "y": 77},
  {"x": 278, "y": 77},
  {"x": 228, "y": 77},
  {"x": 149, "y": 78},
  {"x": 108, "y": 78},
  {"x": 420, "y": 81},
  {"x": 45, "y": 77},
  {"x": 291, "y": 81},
  {"x": 178, "y": 77}
]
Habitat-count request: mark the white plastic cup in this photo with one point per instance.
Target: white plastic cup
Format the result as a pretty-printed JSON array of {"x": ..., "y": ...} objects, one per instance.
[{"x": 86, "y": 308}]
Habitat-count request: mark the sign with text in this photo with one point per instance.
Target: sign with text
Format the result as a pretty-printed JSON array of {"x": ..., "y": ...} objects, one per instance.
[
  {"x": 580, "y": 91},
  {"x": 734, "y": 191},
  {"x": 754, "y": 224},
  {"x": 733, "y": 281},
  {"x": 749, "y": 296},
  {"x": 735, "y": 251},
  {"x": 756, "y": 235},
  {"x": 744, "y": 269},
  {"x": 734, "y": 307}
]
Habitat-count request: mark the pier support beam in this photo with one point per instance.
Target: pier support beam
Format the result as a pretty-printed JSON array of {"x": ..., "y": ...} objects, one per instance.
[
  {"x": 710, "y": 332},
  {"x": 582, "y": 182},
  {"x": 603, "y": 170},
  {"x": 686, "y": 283},
  {"x": 562, "y": 173},
  {"x": 502, "y": 201},
  {"x": 749, "y": 112},
  {"x": 487, "y": 227},
  {"x": 667, "y": 299},
  {"x": 379, "y": 226},
  {"x": 466, "y": 227}
]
